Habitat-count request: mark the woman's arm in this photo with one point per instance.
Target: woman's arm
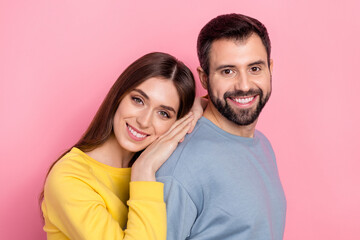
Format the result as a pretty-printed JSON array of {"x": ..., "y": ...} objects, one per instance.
[{"x": 76, "y": 206}]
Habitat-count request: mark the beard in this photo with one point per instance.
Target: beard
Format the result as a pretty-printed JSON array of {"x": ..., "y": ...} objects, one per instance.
[{"x": 240, "y": 117}]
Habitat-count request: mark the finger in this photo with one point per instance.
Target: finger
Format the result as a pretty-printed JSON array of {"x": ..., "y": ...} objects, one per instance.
[
  {"x": 192, "y": 126},
  {"x": 178, "y": 133},
  {"x": 193, "y": 123},
  {"x": 180, "y": 128},
  {"x": 178, "y": 123}
]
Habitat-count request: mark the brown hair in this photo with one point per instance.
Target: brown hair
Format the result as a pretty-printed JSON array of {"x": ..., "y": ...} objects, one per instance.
[
  {"x": 151, "y": 65},
  {"x": 229, "y": 26}
]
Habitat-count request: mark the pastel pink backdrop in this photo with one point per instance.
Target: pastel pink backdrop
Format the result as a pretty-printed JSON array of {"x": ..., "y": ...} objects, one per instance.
[{"x": 59, "y": 58}]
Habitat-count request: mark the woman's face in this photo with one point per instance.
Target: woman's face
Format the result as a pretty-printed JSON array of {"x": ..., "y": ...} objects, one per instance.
[{"x": 145, "y": 113}]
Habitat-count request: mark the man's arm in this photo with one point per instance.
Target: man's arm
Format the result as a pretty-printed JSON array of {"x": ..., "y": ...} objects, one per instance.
[{"x": 181, "y": 210}]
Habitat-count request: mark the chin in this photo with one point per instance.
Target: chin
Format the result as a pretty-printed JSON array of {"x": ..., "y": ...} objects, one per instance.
[{"x": 131, "y": 147}]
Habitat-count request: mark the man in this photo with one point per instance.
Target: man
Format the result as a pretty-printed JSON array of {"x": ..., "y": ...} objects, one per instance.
[{"x": 222, "y": 181}]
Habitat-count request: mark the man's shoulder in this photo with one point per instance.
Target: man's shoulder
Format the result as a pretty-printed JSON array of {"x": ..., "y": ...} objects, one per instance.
[
  {"x": 260, "y": 135},
  {"x": 262, "y": 138},
  {"x": 192, "y": 151}
]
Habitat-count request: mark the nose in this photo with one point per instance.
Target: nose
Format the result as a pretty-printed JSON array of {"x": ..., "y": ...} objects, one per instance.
[
  {"x": 243, "y": 82},
  {"x": 144, "y": 119}
]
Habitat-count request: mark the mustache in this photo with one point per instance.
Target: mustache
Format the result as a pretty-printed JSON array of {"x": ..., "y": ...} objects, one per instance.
[{"x": 240, "y": 93}]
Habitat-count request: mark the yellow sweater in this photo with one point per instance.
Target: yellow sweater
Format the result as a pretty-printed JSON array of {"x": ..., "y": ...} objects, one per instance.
[{"x": 86, "y": 199}]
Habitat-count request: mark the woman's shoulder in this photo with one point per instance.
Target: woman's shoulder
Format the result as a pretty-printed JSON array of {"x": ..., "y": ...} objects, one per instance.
[
  {"x": 73, "y": 166},
  {"x": 70, "y": 185},
  {"x": 71, "y": 179},
  {"x": 73, "y": 161}
]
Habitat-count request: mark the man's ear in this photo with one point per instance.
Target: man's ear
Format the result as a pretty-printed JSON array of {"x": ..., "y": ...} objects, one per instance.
[
  {"x": 203, "y": 78},
  {"x": 271, "y": 66}
]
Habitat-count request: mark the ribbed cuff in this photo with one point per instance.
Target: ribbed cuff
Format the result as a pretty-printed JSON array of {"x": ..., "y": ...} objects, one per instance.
[{"x": 143, "y": 190}]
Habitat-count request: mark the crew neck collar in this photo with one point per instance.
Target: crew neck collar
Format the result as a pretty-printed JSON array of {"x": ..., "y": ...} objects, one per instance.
[{"x": 249, "y": 140}]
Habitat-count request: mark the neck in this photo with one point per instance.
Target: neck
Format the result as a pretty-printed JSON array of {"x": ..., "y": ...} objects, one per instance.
[
  {"x": 112, "y": 154},
  {"x": 222, "y": 122}
]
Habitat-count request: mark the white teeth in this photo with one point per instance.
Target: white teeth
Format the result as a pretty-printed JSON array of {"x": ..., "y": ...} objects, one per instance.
[
  {"x": 135, "y": 133},
  {"x": 243, "y": 100}
]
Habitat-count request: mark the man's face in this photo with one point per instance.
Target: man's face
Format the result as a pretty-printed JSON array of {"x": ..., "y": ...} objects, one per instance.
[{"x": 239, "y": 82}]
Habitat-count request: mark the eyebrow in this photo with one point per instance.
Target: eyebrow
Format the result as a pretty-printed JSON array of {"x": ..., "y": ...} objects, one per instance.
[
  {"x": 224, "y": 66},
  {"x": 147, "y": 97},
  {"x": 168, "y": 108},
  {"x": 141, "y": 92},
  {"x": 260, "y": 62}
]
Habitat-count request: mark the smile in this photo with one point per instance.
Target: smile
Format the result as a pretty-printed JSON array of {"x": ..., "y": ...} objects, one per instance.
[
  {"x": 243, "y": 101},
  {"x": 136, "y": 134}
]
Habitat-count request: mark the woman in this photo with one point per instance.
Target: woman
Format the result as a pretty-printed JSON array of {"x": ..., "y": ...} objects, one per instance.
[{"x": 89, "y": 192}]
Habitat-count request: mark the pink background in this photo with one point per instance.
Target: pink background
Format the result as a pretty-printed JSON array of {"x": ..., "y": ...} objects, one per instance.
[{"x": 59, "y": 58}]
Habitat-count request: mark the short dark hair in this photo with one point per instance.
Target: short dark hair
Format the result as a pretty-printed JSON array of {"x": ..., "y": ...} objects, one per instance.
[{"x": 229, "y": 26}]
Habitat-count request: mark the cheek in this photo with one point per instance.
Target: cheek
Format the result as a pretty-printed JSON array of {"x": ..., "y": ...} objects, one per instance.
[
  {"x": 219, "y": 87},
  {"x": 162, "y": 126},
  {"x": 219, "y": 90},
  {"x": 213, "y": 88},
  {"x": 124, "y": 106},
  {"x": 265, "y": 85},
  {"x": 116, "y": 118}
]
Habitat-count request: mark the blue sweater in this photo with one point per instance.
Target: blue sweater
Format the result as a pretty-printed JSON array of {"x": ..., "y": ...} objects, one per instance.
[{"x": 220, "y": 186}]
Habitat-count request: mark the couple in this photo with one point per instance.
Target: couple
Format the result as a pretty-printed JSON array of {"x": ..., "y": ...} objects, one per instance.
[{"x": 220, "y": 182}]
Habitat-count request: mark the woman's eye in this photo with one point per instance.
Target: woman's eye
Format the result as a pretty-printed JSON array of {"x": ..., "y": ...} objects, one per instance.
[
  {"x": 137, "y": 100},
  {"x": 164, "y": 114}
]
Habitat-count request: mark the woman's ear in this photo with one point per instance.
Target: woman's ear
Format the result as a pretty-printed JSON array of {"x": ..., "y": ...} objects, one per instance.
[{"x": 203, "y": 78}]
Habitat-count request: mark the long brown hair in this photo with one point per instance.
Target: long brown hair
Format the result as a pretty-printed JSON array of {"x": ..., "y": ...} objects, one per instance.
[{"x": 154, "y": 64}]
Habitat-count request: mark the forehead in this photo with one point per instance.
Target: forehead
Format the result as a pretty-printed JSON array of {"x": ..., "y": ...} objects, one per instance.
[
  {"x": 160, "y": 91},
  {"x": 237, "y": 52}
]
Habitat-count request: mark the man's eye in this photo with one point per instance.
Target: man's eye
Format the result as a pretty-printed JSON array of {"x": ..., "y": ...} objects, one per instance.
[
  {"x": 255, "y": 69},
  {"x": 164, "y": 114},
  {"x": 228, "y": 71},
  {"x": 137, "y": 100}
]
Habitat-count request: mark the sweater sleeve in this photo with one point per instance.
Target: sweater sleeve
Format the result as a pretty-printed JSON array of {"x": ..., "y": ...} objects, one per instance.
[
  {"x": 79, "y": 212},
  {"x": 147, "y": 211},
  {"x": 181, "y": 210}
]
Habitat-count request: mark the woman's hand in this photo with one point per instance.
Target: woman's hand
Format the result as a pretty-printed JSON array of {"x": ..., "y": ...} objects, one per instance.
[
  {"x": 160, "y": 150},
  {"x": 198, "y": 107}
]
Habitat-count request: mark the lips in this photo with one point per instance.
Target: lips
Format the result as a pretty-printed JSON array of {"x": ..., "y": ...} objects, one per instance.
[
  {"x": 136, "y": 134},
  {"x": 243, "y": 101}
]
